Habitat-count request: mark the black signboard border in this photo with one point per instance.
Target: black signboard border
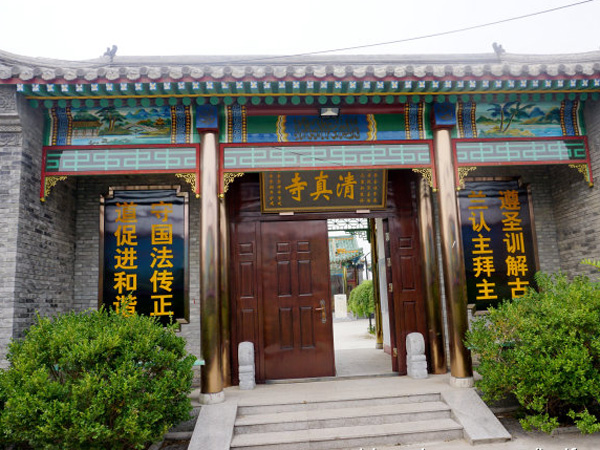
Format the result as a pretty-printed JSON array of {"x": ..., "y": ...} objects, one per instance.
[{"x": 186, "y": 245}]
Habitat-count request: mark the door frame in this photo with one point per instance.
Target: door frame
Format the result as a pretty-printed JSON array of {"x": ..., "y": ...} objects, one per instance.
[{"x": 251, "y": 218}]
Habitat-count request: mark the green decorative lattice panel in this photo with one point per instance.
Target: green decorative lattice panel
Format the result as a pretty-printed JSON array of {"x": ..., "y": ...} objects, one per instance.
[
  {"x": 520, "y": 151},
  {"x": 76, "y": 160},
  {"x": 284, "y": 157}
]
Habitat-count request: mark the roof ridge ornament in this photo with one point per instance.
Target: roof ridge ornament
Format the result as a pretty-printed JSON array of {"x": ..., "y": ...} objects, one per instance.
[
  {"x": 110, "y": 52},
  {"x": 498, "y": 49}
]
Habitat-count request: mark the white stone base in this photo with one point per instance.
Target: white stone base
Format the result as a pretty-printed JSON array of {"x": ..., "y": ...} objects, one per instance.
[
  {"x": 211, "y": 399},
  {"x": 467, "y": 382},
  {"x": 341, "y": 306}
]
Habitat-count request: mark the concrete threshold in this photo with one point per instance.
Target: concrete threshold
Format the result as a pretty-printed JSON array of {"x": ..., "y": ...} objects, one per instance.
[{"x": 357, "y": 376}]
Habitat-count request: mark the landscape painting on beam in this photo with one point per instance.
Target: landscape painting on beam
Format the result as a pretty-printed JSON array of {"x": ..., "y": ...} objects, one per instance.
[
  {"x": 518, "y": 119},
  {"x": 120, "y": 126}
]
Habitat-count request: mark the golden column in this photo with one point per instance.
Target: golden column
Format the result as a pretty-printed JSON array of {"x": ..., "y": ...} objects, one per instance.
[
  {"x": 433, "y": 295},
  {"x": 210, "y": 307},
  {"x": 455, "y": 285}
]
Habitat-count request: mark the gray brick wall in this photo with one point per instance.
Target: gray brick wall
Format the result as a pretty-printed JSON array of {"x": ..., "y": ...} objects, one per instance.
[
  {"x": 37, "y": 248},
  {"x": 46, "y": 235},
  {"x": 89, "y": 190},
  {"x": 577, "y": 206},
  {"x": 11, "y": 139}
]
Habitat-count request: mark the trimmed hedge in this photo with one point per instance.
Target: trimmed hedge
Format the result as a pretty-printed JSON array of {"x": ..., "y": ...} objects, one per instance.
[
  {"x": 361, "y": 301},
  {"x": 545, "y": 349},
  {"x": 94, "y": 380}
]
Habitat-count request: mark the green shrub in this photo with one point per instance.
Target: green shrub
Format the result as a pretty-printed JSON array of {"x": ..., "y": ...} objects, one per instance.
[
  {"x": 94, "y": 380},
  {"x": 361, "y": 299},
  {"x": 545, "y": 349}
]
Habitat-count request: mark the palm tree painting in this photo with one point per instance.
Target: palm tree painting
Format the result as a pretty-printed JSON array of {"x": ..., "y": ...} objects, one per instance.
[
  {"x": 497, "y": 110},
  {"x": 516, "y": 110},
  {"x": 516, "y": 119},
  {"x": 503, "y": 115}
]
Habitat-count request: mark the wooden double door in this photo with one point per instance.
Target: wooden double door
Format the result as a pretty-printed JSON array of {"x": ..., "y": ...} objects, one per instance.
[{"x": 281, "y": 295}]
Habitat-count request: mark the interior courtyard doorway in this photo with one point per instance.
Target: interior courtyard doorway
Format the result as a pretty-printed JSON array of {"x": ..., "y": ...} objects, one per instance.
[{"x": 357, "y": 316}]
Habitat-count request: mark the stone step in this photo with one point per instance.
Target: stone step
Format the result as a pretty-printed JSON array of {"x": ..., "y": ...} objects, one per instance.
[
  {"x": 351, "y": 437},
  {"x": 341, "y": 417},
  {"x": 344, "y": 402}
]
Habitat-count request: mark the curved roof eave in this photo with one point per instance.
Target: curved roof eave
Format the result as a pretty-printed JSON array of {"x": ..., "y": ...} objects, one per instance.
[{"x": 22, "y": 69}]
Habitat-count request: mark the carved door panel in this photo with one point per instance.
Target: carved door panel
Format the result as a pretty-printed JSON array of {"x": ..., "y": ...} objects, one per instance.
[{"x": 298, "y": 335}]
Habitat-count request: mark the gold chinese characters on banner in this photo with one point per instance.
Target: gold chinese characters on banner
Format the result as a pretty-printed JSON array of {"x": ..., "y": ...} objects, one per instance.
[
  {"x": 144, "y": 251},
  {"x": 323, "y": 190},
  {"x": 498, "y": 241}
]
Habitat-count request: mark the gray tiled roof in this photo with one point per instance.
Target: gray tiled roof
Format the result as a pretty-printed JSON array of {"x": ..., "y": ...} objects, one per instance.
[{"x": 21, "y": 69}]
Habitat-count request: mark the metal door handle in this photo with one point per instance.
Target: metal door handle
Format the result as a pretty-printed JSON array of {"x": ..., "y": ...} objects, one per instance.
[{"x": 323, "y": 310}]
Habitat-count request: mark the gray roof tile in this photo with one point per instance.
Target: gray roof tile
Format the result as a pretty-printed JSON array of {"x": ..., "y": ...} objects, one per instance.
[{"x": 15, "y": 68}]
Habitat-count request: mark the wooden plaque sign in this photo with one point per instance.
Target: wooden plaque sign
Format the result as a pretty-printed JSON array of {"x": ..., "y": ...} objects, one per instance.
[{"x": 323, "y": 190}]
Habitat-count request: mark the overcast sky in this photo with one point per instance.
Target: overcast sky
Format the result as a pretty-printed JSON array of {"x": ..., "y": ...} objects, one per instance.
[{"x": 80, "y": 29}]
